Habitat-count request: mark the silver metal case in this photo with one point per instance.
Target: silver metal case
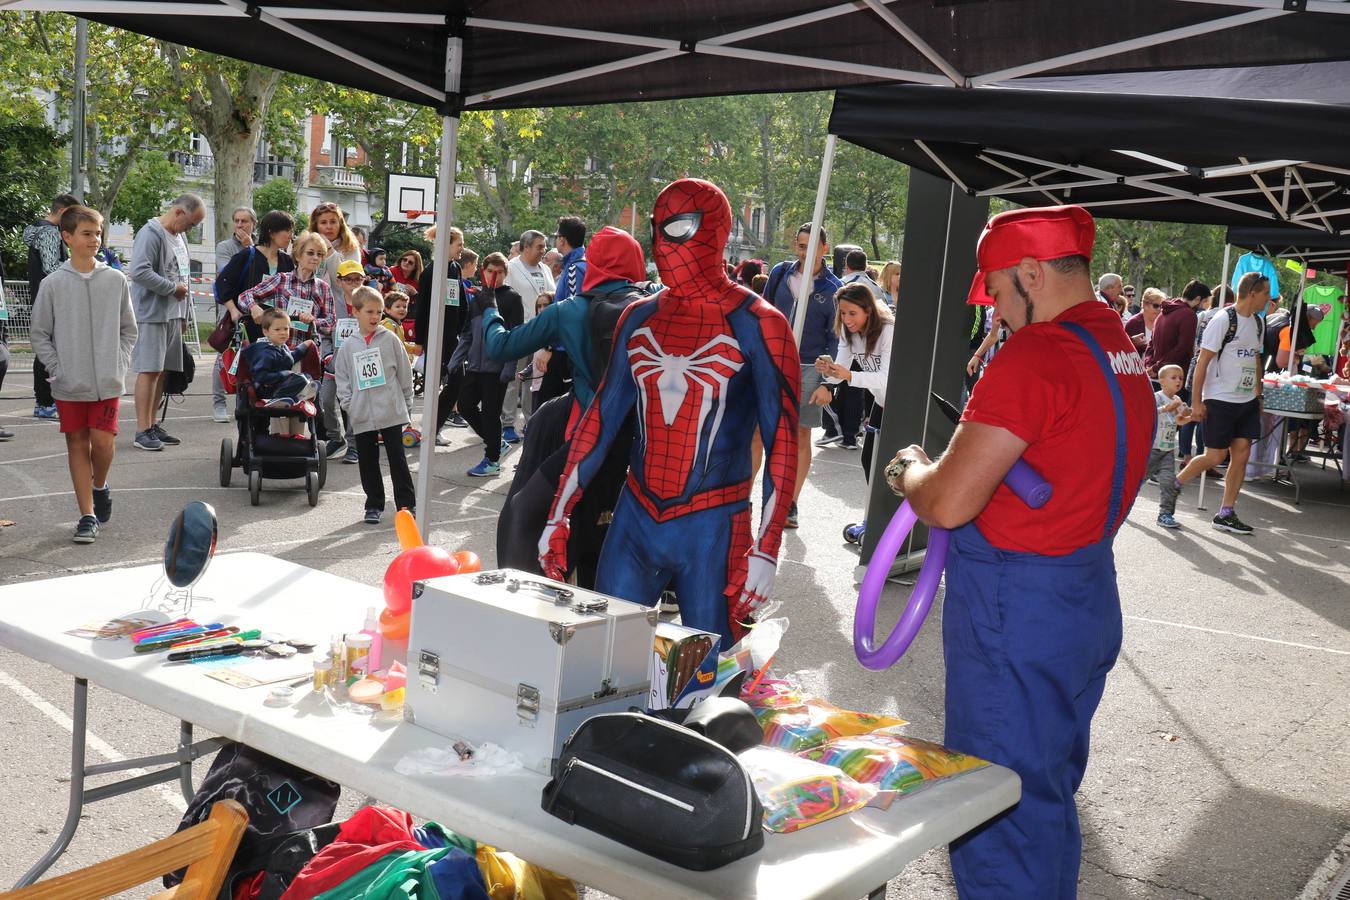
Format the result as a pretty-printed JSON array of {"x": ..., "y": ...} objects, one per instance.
[{"x": 521, "y": 661}]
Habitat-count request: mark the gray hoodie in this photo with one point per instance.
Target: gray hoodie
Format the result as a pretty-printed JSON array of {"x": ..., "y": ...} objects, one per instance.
[
  {"x": 83, "y": 331},
  {"x": 375, "y": 408},
  {"x": 154, "y": 274}
]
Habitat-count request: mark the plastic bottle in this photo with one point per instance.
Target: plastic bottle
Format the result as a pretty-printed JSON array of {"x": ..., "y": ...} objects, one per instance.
[
  {"x": 358, "y": 657},
  {"x": 376, "y": 639}
]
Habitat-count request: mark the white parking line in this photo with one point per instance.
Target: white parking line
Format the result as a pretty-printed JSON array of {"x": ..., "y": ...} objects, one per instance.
[
  {"x": 1238, "y": 634},
  {"x": 92, "y": 741},
  {"x": 10, "y": 462}
]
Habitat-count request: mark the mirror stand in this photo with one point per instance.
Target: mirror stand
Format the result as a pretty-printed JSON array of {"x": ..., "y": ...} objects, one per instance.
[{"x": 167, "y": 598}]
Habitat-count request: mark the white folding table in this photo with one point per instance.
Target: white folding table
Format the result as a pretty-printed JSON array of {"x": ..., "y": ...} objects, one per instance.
[{"x": 852, "y": 856}]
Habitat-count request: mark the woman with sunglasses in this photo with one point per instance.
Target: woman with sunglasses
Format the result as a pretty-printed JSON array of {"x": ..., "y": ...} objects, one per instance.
[
  {"x": 408, "y": 271},
  {"x": 1140, "y": 325}
]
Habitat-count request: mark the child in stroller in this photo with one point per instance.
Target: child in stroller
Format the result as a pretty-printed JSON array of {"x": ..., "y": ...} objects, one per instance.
[{"x": 271, "y": 366}]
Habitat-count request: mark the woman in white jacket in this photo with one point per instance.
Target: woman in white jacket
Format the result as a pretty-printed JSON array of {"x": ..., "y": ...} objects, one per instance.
[{"x": 865, "y": 327}]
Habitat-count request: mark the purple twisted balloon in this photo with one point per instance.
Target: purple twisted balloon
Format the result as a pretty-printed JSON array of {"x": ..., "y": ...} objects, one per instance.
[{"x": 1021, "y": 479}]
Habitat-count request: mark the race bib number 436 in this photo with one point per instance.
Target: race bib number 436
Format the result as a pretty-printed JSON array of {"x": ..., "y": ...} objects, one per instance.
[{"x": 369, "y": 369}]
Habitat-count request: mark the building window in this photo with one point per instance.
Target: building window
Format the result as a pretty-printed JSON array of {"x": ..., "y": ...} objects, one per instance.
[{"x": 756, "y": 221}]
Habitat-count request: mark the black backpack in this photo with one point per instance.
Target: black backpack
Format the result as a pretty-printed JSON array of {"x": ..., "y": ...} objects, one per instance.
[
  {"x": 1231, "y": 332},
  {"x": 177, "y": 383},
  {"x": 602, "y": 317}
]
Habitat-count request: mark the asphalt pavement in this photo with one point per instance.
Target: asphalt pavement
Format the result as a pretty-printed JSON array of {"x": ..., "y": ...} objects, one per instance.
[{"x": 1219, "y": 769}]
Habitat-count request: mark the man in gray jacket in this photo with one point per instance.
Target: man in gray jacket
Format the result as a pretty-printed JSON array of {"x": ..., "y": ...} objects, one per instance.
[
  {"x": 160, "y": 272},
  {"x": 83, "y": 331}
]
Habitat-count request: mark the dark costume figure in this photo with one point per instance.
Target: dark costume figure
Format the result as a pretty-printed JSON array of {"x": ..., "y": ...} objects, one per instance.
[
  {"x": 702, "y": 364},
  {"x": 584, "y": 326}
]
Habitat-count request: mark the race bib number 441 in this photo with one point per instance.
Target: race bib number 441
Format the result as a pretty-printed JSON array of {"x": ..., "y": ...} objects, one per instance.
[{"x": 294, "y": 307}]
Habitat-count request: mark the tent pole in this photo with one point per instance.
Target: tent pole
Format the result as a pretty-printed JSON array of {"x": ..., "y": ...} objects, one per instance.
[
  {"x": 1292, "y": 367},
  {"x": 1223, "y": 275},
  {"x": 440, "y": 265},
  {"x": 813, "y": 244}
]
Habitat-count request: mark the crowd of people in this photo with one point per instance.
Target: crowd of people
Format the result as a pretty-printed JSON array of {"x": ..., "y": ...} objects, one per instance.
[
  {"x": 1206, "y": 353},
  {"x": 290, "y": 294}
]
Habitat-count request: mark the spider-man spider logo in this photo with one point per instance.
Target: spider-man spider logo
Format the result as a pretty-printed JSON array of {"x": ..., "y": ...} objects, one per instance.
[{"x": 704, "y": 363}]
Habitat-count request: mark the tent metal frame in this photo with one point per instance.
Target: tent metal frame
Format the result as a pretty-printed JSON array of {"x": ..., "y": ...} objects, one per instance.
[{"x": 290, "y": 20}]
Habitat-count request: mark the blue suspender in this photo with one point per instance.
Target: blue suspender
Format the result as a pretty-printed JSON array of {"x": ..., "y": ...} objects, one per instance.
[{"x": 1113, "y": 509}]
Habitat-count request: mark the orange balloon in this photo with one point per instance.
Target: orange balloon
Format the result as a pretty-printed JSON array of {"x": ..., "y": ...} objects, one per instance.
[
  {"x": 406, "y": 526},
  {"x": 394, "y": 626},
  {"x": 468, "y": 561}
]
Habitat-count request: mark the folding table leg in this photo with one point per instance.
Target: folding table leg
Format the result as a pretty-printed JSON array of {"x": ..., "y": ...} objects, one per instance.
[
  {"x": 179, "y": 764},
  {"x": 76, "y": 807}
]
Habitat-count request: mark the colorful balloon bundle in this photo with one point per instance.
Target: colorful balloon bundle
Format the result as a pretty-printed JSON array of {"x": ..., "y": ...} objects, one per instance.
[
  {"x": 797, "y": 792},
  {"x": 415, "y": 562},
  {"x": 892, "y": 762},
  {"x": 797, "y": 723}
]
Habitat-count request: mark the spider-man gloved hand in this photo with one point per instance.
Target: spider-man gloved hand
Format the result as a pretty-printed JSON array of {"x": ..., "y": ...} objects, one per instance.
[
  {"x": 553, "y": 549},
  {"x": 750, "y": 585}
]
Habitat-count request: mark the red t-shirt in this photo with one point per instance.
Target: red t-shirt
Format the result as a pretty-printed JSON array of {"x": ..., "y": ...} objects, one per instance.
[{"x": 1046, "y": 387}]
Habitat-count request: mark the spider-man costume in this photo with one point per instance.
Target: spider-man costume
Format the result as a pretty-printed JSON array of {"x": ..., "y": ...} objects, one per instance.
[{"x": 704, "y": 363}]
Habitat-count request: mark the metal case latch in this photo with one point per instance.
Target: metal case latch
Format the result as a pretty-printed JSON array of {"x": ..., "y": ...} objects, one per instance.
[
  {"x": 527, "y": 704},
  {"x": 429, "y": 670}
]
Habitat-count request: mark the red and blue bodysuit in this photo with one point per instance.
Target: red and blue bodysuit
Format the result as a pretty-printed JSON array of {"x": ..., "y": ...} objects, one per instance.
[{"x": 703, "y": 364}]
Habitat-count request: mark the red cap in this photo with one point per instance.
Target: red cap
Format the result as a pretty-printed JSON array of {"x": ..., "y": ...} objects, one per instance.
[
  {"x": 613, "y": 255},
  {"x": 1045, "y": 232}
]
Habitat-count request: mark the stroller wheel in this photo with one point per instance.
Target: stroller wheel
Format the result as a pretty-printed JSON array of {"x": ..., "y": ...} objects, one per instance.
[
  {"x": 322, "y": 449},
  {"x": 853, "y": 534},
  {"x": 254, "y": 487},
  {"x": 226, "y": 461},
  {"x": 312, "y": 487}
]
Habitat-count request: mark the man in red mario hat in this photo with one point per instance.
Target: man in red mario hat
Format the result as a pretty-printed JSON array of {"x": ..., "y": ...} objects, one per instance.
[{"x": 1031, "y": 622}]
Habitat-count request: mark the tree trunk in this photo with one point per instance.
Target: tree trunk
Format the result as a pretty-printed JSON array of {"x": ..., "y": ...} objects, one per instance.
[{"x": 233, "y": 152}]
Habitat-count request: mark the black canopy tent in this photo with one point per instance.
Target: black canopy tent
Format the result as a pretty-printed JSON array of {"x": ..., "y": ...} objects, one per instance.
[
  {"x": 1318, "y": 250},
  {"x": 1212, "y": 155},
  {"x": 456, "y": 55}
]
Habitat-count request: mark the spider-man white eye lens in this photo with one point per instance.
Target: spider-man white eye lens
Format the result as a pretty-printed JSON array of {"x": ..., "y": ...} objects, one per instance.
[{"x": 681, "y": 228}]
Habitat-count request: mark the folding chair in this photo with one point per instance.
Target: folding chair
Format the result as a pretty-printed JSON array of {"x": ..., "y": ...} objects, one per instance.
[{"x": 206, "y": 849}]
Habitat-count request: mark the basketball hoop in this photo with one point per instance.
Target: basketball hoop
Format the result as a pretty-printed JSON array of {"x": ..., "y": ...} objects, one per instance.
[{"x": 415, "y": 214}]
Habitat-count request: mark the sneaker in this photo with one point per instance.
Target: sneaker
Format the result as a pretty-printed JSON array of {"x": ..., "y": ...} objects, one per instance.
[
  {"x": 504, "y": 449},
  {"x": 1153, "y": 479},
  {"x": 1232, "y": 523},
  {"x": 442, "y": 440},
  {"x": 6, "y": 434},
  {"x": 46, "y": 412},
  {"x": 336, "y": 448},
  {"x": 351, "y": 458},
  {"x": 372, "y": 516},
  {"x": 220, "y": 414},
  {"x": 792, "y": 517},
  {"x": 103, "y": 504},
  {"x": 829, "y": 439},
  {"x": 164, "y": 437},
  {"x": 456, "y": 421},
  {"x": 1167, "y": 520},
  {"x": 669, "y": 604},
  {"x": 486, "y": 469},
  {"x": 848, "y": 445},
  {"x": 86, "y": 532},
  {"x": 509, "y": 435},
  {"x": 146, "y": 440}
]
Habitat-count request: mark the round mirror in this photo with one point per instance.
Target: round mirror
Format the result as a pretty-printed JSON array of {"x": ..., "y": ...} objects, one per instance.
[{"x": 191, "y": 544}]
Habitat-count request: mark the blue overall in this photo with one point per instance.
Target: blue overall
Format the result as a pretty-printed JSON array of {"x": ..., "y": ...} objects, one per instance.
[{"x": 1028, "y": 640}]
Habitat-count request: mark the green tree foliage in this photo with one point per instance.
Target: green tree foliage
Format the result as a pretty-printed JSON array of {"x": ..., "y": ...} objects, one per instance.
[
  {"x": 279, "y": 193},
  {"x": 149, "y": 185},
  {"x": 1165, "y": 255},
  {"x": 31, "y": 174}
]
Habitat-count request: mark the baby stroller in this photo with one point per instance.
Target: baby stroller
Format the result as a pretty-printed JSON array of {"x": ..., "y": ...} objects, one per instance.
[{"x": 263, "y": 455}]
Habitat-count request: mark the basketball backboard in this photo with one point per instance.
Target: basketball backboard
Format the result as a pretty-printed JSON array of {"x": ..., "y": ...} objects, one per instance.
[{"x": 409, "y": 199}]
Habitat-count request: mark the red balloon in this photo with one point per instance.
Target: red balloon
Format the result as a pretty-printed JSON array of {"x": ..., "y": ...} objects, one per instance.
[
  {"x": 468, "y": 561},
  {"x": 414, "y": 564}
]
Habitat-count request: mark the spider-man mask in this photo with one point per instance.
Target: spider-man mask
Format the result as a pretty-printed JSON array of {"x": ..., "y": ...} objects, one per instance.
[{"x": 690, "y": 224}]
